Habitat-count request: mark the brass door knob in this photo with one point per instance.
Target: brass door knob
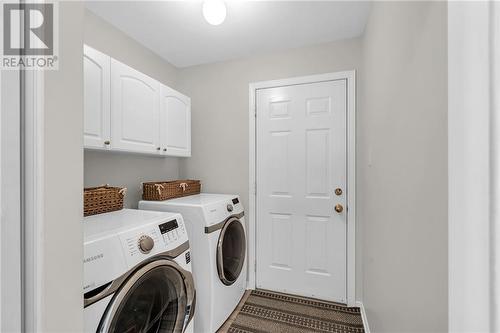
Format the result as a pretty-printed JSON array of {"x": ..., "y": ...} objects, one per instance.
[
  {"x": 339, "y": 208},
  {"x": 338, "y": 191},
  {"x": 107, "y": 143}
]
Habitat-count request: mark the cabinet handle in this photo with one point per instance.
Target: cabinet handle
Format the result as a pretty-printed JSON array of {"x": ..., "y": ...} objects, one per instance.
[
  {"x": 107, "y": 142},
  {"x": 164, "y": 149},
  {"x": 158, "y": 148}
]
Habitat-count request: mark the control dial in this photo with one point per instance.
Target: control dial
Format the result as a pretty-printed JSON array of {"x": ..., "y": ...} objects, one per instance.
[
  {"x": 229, "y": 207},
  {"x": 145, "y": 244}
]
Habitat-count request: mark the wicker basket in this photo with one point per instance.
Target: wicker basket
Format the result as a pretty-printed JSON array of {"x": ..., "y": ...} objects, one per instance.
[
  {"x": 102, "y": 199},
  {"x": 163, "y": 190}
]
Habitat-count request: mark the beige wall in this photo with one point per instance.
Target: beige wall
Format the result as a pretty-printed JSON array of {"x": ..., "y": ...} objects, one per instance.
[
  {"x": 125, "y": 169},
  {"x": 402, "y": 167},
  {"x": 219, "y": 96},
  {"x": 108, "y": 39},
  {"x": 63, "y": 179}
]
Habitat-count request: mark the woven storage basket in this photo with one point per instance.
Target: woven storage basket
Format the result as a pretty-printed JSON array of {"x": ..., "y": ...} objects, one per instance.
[
  {"x": 102, "y": 199},
  {"x": 163, "y": 190}
]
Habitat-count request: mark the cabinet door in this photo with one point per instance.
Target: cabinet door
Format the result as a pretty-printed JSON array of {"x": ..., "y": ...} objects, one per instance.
[
  {"x": 175, "y": 120},
  {"x": 96, "y": 92},
  {"x": 134, "y": 110}
]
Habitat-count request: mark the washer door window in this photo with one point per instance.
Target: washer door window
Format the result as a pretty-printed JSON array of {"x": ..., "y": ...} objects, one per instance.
[
  {"x": 153, "y": 300},
  {"x": 231, "y": 250}
]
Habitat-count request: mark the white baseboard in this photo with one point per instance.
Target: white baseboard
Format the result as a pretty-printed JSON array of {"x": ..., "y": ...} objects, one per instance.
[{"x": 363, "y": 316}]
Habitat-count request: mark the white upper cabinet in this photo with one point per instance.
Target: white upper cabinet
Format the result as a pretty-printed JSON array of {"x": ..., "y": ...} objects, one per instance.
[
  {"x": 175, "y": 123},
  {"x": 135, "y": 105},
  {"x": 126, "y": 110},
  {"x": 96, "y": 100}
]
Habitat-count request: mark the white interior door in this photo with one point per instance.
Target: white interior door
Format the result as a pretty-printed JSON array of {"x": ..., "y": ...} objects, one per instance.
[
  {"x": 175, "y": 120},
  {"x": 96, "y": 101},
  {"x": 135, "y": 106},
  {"x": 301, "y": 161}
]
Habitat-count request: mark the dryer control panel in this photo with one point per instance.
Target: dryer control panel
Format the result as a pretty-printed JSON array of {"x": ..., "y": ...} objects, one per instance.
[{"x": 221, "y": 210}]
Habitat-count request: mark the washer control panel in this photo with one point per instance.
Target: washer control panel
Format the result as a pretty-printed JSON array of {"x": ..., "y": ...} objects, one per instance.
[
  {"x": 142, "y": 241},
  {"x": 171, "y": 231},
  {"x": 145, "y": 241}
]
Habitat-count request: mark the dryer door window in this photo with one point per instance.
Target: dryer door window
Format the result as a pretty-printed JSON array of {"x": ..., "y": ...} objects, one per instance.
[
  {"x": 231, "y": 250},
  {"x": 153, "y": 300}
]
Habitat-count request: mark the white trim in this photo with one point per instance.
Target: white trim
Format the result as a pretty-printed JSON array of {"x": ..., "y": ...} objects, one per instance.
[
  {"x": 351, "y": 187},
  {"x": 350, "y": 77},
  {"x": 495, "y": 164},
  {"x": 33, "y": 99},
  {"x": 25, "y": 100},
  {"x": 471, "y": 302},
  {"x": 11, "y": 303},
  {"x": 1, "y": 202},
  {"x": 34, "y": 205},
  {"x": 362, "y": 310},
  {"x": 251, "y": 188}
]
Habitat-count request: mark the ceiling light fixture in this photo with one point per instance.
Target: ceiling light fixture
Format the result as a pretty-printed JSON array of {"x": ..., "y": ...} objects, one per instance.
[{"x": 214, "y": 11}]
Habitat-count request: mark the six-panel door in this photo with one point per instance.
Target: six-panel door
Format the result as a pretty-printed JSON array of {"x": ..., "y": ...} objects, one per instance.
[
  {"x": 175, "y": 122},
  {"x": 96, "y": 100},
  {"x": 135, "y": 107},
  {"x": 301, "y": 160}
]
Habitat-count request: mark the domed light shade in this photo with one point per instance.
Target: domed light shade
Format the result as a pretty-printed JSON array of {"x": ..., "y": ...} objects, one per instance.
[{"x": 214, "y": 11}]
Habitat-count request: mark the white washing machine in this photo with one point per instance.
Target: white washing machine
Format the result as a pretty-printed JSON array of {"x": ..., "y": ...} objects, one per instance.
[
  {"x": 137, "y": 273},
  {"x": 216, "y": 228}
]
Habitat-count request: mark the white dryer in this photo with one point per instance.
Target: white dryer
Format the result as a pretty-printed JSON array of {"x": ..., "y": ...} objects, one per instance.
[
  {"x": 216, "y": 228},
  {"x": 137, "y": 273}
]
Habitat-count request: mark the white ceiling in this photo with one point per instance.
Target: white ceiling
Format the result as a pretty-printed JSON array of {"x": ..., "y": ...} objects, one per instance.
[{"x": 177, "y": 31}]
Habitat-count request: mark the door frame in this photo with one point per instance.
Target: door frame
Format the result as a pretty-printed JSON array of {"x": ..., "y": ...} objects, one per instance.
[
  {"x": 350, "y": 77},
  {"x": 11, "y": 251},
  {"x": 22, "y": 93},
  {"x": 33, "y": 90},
  {"x": 473, "y": 166}
]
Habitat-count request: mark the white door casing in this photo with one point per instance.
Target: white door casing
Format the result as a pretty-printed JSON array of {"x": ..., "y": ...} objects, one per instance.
[
  {"x": 97, "y": 113},
  {"x": 135, "y": 109},
  {"x": 175, "y": 122},
  {"x": 301, "y": 160},
  {"x": 473, "y": 166},
  {"x": 11, "y": 256}
]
